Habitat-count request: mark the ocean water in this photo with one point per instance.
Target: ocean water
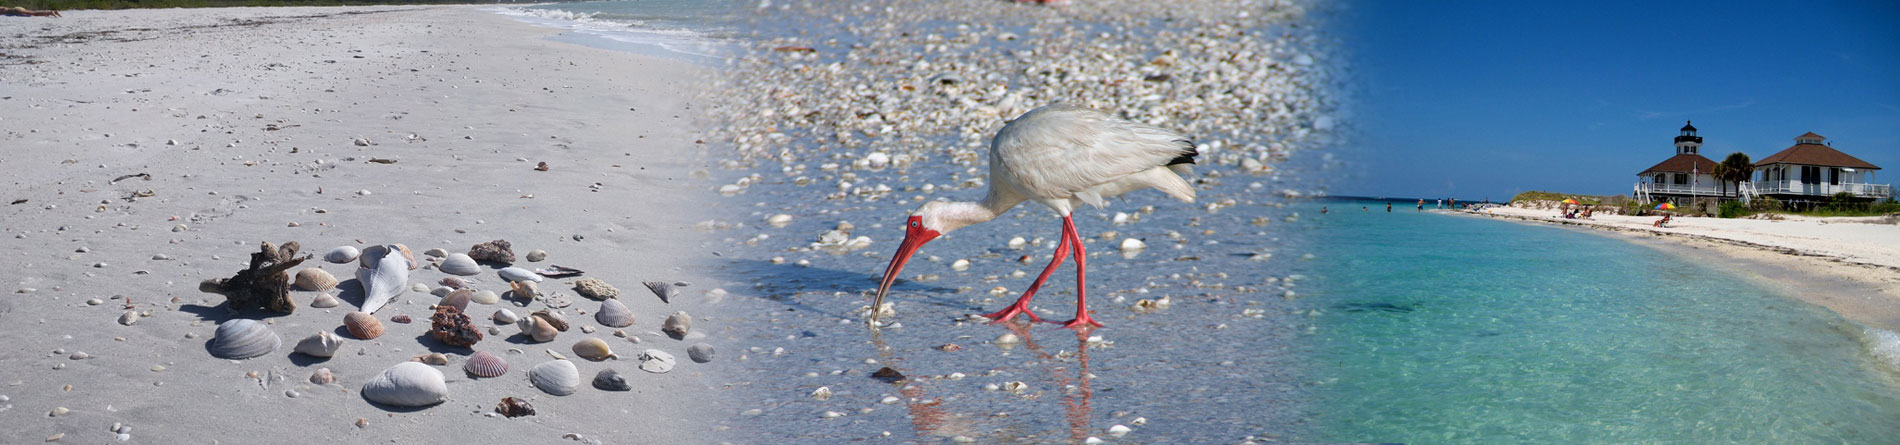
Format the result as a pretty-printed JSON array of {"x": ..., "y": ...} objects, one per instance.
[
  {"x": 698, "y": 31},
  {"x": 1454, "y": 328}
]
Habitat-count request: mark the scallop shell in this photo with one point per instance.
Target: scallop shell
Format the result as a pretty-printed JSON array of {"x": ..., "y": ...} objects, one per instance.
[
  {"x": 460, "y": 264},
  {"x": 385, "y": 278},
  {"x": 325, "y": 300},
  {"x": 243, "y": 338},
  {"x": 666, "y": 291},
  {"x": 613, "y": 313},
  {"x": 594, "y": 349},
  {"x": 458, "y": 299},
  {"x": 656, "y": 361},
  {"x": 483, "y": 365},
  {"x": 677, "y": 325},
  {"x": 321, "y": 344},
  {"x": 504, "y": 316},
  {"x": 524, "y": 290},
  {"x": 518, "y": 274},
  {"x": 553, "y": 318},
  {"x": 362, "y": 325},
  {"x": 485, "y": 297},
  {"x": 315, "y": 279},
  {"x": 557, "y": 377},
  {"x": 541, "y": 330},
  {"x": 407, "y": 384},
  {"x": 341, "y": 255}
]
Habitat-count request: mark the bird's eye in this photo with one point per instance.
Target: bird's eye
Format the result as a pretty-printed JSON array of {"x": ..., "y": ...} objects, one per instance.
[{"x": 915, "y": 224}]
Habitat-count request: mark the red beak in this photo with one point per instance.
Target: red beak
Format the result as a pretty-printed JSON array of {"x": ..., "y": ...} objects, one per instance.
[{"x": 915, "y": 235}]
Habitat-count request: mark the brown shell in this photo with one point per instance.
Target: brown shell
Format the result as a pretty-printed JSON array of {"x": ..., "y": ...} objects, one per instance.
[
  {"x": 458, "y": 299},
  {"x": 513, "y": 407},
  {"x": 556, "y": 320},
  {"x": 362, "y": 325},
  {"x": 454, "y": 283},
  {"x": 451, "y": 326},
  {"x": 314, "y": 279}
]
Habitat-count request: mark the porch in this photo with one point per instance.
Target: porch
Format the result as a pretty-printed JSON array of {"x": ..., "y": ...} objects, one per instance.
[{"x": 1874, "y": 191}]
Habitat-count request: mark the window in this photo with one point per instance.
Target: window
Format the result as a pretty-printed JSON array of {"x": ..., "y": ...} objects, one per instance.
[
  {"x": 1682, "y": 179},
  {"x": 1810, "y": 174},
  {"x": 1834, "y": 176},
  {"x": 1659, "y": 178}
]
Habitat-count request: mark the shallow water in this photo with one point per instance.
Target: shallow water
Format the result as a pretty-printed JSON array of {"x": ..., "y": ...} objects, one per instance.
[
  {"x": 697, "y": 31},
  {"x": 1438, "y": 327}
]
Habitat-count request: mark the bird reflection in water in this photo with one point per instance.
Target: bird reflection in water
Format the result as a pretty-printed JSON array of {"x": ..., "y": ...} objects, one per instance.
[{"x": 930, "y": 417}]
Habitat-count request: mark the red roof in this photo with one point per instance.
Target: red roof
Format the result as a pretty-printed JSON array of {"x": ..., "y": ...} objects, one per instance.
[
  {"x": 1685, "y": 163},
  {"x": 1810, "y": 135},
  {"x": 1815, "y": 154}
]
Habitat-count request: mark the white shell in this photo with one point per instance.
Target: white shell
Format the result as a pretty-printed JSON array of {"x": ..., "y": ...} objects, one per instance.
[
  {"x": 460, "y": 264},
  {"x": 485, "y": 297},
  {"x": 324, "y": 300},
  {"x": 243, "y": 338},
  {"x": 519, "y": 274},
  {"x": 504, "y": 316},
  {"x": 321, "y": 344},
  {"x": 677, "y": 325},
  {"x": 407, "y": 384},
  {"x": 341, "y": 255},
  {"x": 594, "y": 349},
  {"x": 384, "y": 281},
  {"x": 656, "y": 361},
  {"x": 557, "y": 377},
  {"x": 613, "y": 313}
]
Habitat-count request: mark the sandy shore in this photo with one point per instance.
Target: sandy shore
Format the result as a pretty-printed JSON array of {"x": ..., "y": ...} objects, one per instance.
[
  {"x": 147, "y": 150},
  {"x": 1849, "y": 265}
]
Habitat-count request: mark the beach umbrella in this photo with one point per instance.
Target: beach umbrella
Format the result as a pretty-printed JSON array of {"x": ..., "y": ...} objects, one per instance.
[
  {"x": 1570, "y": 201},
  {"x": 1665, "y": 206}
]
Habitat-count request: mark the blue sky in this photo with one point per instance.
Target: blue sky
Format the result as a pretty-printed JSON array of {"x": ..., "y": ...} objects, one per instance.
[{"x": 1479, "y": 100}]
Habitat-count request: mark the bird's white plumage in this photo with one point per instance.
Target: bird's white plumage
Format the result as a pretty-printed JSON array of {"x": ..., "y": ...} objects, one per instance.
[{"x": 1061, "y": 155}]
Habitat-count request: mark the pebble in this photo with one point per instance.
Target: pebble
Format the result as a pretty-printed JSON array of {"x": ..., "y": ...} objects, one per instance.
[
  {"x": 59, "y": 411},
  {"x": 81, "y": 355},
  {"x": 129, "y": 318},
  {"x": 95, "y": 302}
]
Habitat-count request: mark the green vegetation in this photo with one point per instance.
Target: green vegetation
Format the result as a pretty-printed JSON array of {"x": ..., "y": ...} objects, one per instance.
[
  {"x": 1554, "y": 196},
  {"x": 1736, "y": 168},
  {"x": 1841, "y": 204},
  {"x": 1734, "y": 209},
  {"x": 63, "y": 5}
]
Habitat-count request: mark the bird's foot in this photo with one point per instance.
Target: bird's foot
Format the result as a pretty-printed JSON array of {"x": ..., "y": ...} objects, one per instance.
[
  {"x": 1010, "y": 313},
  {"x": 1081, "y": 321}
]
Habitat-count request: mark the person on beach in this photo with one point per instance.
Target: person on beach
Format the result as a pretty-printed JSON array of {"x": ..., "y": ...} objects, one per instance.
[
  {"x": 1441, "y": 203},
  {"x": 1421, "y": 204},
  {"x": 1388, "y": 207},
  {"x": 17, "y": 11},
  {"x": 1664, "y": 222}
]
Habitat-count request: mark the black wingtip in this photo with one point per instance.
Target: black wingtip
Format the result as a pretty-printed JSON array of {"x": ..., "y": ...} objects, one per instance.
[{"x": 1188, "y": 153}]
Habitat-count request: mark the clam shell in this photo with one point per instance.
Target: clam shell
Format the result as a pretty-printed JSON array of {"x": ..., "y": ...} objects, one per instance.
[
  {"x": 321, "y": 344},
  {"x": 518, "y": 274},
  {"x": 594, "y": 349},
  {"x": 557, "y": 377},
  {"x": 553, "y": 318},
  {"x": 324, "y": 300},
  {"x": 315, "y": 279},
  {"x": 385, "y": 279},
  {"x": 542, "y": 330},
  {"x": 341, "y": 255},
  {"x": 485, "y": 297},
  {"x": 504, "y": 316},
  {"x": 243, "y": 338},
  {"x": 484, "y": 365},
  {"x": 535, "y": 256},
  {"x": 613, "y": 313},
  {"x": 453, "y": 283},
  {"x": 442, "y": 291},
  {"x": 458, "y": 299},
  {"x": 677, "y": 325},
  {"x": 656, "y": 361},
  {"x": 460, "y": 264},
  {"x": 666, "y": 291},
  {"x": 611, "y": 380},
  {"x": 407, "y": 384},
  {"x": 362, "y": 325},
  {"x": 700, "y": 353}
]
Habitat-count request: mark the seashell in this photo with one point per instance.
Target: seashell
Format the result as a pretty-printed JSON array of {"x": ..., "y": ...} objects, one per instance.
[
  {"x": 485, "y": 297},
  {"x": 362, "y": 325},
  {"x": 484, "y": 365},
  {"x": 524, "y": 290},
  {"x": 321, "y": 344},
  {"x": 407, "y": 384},
  {"x": 535, "y": 256},
  {"x": 541, "y": 330},
  {"x": 451, "y": 326},
  {"x": 610, "y": 380},
  {"x": 422, "y": 288},
  {"x": 243, "y": 338},
  {"x": 504, "y": 316},
  {"x": 373, "y": 254},
  {"x": 459, "y": 264},
  {"x": 613, "y": 313},
  {"x": 656, "y": 361},
  {"x": 341, "y": 255},
  {"x": 435, "y": 359},
  {"x": 594, "y": 349},
  {"x": 677, "y": 325},
  {"x": 436, "y": 252},
  {"x": 553, "y": 318},
  {"x": 453, "y": 283},
  {"x": 315, "y": 279},
  {"x": 664, "y": 290},
  {"x": 556, "y": 301},
  {"x": 439, "y": 291},
  {"x": 457, "y": 299},
  {"x": 129, "y": 318},
  {"x": 325, "y": 300},
  {"x": 527, "y": 325},
  {"x": 518, "y": 274},
  {"x": 558, "y": 271},
  {"x": 513, "y": 407},
  {"x": 401, "y": 318},
  {"x": 497, "y": 251},
  {"x": 322, "y": 377},
  {"x": 384, "y": 279},
  {"x": 700, "y": 353},
  {"x": 596, "y": 289},
  {"x": 557, "y": 377}
]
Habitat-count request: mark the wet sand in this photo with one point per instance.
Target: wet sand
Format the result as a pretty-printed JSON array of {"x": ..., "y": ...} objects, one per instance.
[{"x": 147, "y": 150}]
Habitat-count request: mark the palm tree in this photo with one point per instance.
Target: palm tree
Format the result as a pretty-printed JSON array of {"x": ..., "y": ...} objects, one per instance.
[
  {"x": 1736, "y": 167},
  {"x": 1721, "y": 174}
]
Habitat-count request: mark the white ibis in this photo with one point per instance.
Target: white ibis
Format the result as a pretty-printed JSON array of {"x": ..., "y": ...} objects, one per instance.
[{"x": 1061, "y": 156}]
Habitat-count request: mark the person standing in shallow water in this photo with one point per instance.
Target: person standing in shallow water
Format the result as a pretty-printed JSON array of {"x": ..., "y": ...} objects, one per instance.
[
  {"x": 1421, "y": 204},
  {"x": 1388, "y": 207}
]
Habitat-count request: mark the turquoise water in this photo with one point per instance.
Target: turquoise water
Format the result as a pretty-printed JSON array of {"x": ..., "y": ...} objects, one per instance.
[
  {"x": 698, "y": 31},
  {"x": 1450, "y": 328}
]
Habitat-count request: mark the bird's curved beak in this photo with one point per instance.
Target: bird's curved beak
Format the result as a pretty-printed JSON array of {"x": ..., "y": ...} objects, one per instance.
[{"x": 915, "y": 235}]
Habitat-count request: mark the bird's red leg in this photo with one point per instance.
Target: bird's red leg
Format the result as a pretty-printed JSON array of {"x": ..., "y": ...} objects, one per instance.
[
  {"x": 1082, "y": 318},
  {"x": 1022, "y": 304}
]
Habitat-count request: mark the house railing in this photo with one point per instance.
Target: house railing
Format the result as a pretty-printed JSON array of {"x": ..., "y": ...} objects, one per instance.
[
  {"x": 1798, "y": 188},
  {"x": 1647, "y": 188}
]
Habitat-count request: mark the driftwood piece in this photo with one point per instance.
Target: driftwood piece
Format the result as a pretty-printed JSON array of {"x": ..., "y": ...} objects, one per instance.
[{"x": 265, "y": 284}]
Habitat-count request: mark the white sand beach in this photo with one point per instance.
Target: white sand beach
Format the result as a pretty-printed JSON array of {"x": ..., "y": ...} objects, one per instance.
[
  {"x": 1801, "y": 256},
  {"x": 146, "y": 150}
]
